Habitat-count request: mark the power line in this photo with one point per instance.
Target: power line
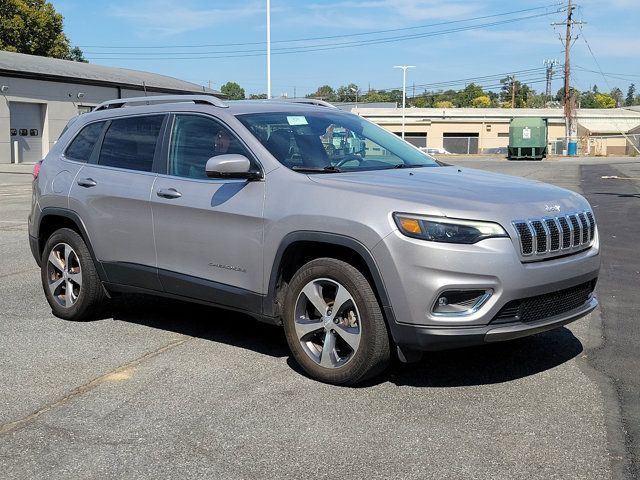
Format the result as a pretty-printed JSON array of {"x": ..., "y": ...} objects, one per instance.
[
  {"x": 327, "y": 46},
  {"x": 373, "y": 32},
  {"x": 477, "y": 80}
]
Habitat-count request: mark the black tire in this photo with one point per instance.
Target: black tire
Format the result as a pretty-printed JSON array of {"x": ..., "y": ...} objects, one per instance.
[
  {"x": 373, "y": 352},
  {"x": 91, "y": 292}
]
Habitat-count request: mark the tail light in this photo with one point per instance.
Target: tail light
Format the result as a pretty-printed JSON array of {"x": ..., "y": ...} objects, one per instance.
[{"x": 36, "y": 169}]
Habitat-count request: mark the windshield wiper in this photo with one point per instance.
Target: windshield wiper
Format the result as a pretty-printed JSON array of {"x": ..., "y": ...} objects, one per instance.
[
  {"x": 404, "y": 165},
  {"x": 327, "y": 169}
]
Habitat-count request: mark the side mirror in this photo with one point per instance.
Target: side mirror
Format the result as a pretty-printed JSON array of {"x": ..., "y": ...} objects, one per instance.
[{"x": 230, "y": 166}]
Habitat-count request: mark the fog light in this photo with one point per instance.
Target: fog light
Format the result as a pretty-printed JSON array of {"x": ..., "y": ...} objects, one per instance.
[{"x": 457, "y": 303}]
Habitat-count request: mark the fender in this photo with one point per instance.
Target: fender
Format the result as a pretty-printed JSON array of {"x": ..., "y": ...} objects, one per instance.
[
  {"x": 330, "y": 239},
  {"x": 75, "y": 218}
]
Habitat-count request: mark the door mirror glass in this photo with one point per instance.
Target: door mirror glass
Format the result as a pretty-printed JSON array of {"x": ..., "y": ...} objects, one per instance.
[{"x": 231, "y": 165}]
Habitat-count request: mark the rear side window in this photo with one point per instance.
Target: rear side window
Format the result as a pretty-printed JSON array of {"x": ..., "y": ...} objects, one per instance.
[
  {"x": 81, "y": 147},
  {"x": 131, "y": 143}
]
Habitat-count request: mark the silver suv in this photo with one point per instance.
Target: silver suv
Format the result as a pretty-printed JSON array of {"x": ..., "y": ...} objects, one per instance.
[{"x": 302, "y": 215}]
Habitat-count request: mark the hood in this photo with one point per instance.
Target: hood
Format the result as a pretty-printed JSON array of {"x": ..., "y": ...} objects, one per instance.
[{"x": 460, "y": 192}]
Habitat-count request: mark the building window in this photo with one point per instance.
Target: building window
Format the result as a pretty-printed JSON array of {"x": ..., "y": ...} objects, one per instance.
[{"x": 418, "y": 139}]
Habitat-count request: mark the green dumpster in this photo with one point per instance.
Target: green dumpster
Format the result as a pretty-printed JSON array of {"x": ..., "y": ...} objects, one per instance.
[{"x": 527, "y": 139}]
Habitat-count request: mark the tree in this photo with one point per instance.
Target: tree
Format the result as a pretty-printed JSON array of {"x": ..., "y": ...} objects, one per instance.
[
  {"x": 373, "y": 96},
  {"x": 523, "y": 92},
  {"x": 347, "y": 93},
  {"x": 604, "y": 101},
  {"x": 630, "y": 95},
  {"x": 76, "y": 55},
  {"x": 232, "y": 91},
  {"x": 465, "y": 97},
  {"x": 258, "y": 96},
  {"x": 618, "y": 96},
  {"x": 325, "y": 92},
  {"x": 35, "y": 28},
  {"x": 443, "y": 104},
  {"x": 482, "y": 101}
]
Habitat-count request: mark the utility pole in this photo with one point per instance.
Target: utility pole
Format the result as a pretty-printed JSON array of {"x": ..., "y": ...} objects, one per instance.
[
  {"x": 549, "y": 64},
  {"x": 568, "y": 95},
  {"x": 569, "y": 100},
  {"x": 513, "y": 91}
]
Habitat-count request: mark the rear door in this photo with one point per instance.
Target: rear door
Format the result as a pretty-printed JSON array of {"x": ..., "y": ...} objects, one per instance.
[
  {"x": 111, "y": 195},
  {"x": 208, "y": 231}
]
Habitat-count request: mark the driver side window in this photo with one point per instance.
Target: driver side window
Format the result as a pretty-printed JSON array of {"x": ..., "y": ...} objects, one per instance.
[{"x": 194, "y": 140}]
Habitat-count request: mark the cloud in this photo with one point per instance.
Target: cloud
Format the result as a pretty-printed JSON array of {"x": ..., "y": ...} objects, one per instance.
[{"x": 166, "y": 18}]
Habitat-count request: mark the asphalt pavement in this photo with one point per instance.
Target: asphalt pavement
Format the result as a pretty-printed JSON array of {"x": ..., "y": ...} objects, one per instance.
[{"x": 159, "y": 388}]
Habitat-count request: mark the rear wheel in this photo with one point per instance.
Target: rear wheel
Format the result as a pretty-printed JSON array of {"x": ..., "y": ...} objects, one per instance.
[
  {"x": 69, "y": 277},
  {"x": 333, "y": 323}
]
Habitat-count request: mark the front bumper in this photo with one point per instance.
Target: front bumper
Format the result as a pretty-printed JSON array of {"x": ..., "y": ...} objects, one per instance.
[
  {"x": 442, "y": 338},
  {"x": 417, "y": 272}
]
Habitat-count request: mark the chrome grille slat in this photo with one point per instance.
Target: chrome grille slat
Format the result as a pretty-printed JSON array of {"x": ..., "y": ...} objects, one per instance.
[
  {"x": 551, "y": 236},
  {"x": 592, "y": 225},
  {"x": 585, "y": 227},
  {"x": 541, "y": 236},
  {"x": 565, "y": 228},
  {"x": 553, "y": 230},
  {"x": 577, "y": 230}
]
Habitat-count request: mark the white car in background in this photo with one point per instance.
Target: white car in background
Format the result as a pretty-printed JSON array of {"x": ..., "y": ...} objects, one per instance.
[{"x": 434, "y": 151}]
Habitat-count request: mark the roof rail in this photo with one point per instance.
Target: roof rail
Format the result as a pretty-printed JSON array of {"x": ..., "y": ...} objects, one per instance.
[
  {"x": 199, "y": 99},
  {"x": 310, "y": 101}
]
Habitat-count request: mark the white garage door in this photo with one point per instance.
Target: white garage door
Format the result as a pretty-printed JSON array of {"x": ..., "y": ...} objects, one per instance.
[{"x": 26, "y": 121}]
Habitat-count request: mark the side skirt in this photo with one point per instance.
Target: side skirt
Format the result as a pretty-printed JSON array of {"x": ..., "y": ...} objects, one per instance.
[{"x": 133, "y": 278}]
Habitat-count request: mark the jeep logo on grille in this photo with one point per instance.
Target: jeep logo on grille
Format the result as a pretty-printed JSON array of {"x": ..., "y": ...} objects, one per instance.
[{"x": 552, "y": 208}]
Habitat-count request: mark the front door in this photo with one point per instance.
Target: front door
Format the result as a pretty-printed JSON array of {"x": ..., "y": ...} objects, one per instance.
[{"x": 208, "y": 232}]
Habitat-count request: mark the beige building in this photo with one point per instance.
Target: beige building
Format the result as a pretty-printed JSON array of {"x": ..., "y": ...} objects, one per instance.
[
  {"x": 40, "y": 95},
  {"x": 486, "y": 130}
]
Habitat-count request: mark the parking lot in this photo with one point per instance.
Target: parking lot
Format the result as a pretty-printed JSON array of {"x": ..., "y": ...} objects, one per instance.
[{"x": 159, "y": 388}]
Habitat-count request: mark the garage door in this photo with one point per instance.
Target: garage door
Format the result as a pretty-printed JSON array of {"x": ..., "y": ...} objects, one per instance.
[
  {"x": 460, "y": 142},
  {"x": 26, "y": 121}
]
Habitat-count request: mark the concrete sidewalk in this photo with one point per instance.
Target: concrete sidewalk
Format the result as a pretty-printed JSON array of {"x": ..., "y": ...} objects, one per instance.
[{"x": 16, "y": 168}]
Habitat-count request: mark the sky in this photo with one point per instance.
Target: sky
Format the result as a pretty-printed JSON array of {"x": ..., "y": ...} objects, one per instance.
[{"x": 450, "y": 42}]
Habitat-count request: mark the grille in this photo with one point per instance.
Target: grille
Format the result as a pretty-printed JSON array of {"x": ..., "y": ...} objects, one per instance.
[
  {"x": 545, "y": 306},
  {"x": 555, "y": 235}
]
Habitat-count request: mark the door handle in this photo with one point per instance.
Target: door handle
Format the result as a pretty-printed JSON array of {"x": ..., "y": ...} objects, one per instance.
[
  {"x": 87, "y": 182},
  {"x": 169, "y": 193}
]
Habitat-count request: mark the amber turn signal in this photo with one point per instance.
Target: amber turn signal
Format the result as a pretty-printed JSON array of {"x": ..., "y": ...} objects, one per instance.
[{"x": 410, "y": 225}]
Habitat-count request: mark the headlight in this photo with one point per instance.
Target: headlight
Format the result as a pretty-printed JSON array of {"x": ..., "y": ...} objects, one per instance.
[{"x": 447, "y": 230}]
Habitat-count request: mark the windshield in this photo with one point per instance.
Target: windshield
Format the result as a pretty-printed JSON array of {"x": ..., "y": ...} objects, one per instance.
[{"x": 332, "y": 142}]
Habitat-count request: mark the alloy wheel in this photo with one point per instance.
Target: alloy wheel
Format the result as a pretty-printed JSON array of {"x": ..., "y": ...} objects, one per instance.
[
  {"x": 64, "y": 275},
  {"x": 327, "y": 323}
]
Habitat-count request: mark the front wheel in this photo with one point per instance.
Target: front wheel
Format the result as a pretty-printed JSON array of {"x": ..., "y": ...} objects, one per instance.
[
  {"x": 69, "y": 277},
  {"x": 333, "y": 323}
]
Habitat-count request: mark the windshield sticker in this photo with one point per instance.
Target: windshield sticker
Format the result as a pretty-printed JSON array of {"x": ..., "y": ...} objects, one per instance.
[{"x": 298, "y": 120}]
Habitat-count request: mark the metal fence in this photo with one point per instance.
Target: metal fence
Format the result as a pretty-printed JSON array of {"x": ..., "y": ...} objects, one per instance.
[{"x": 601, "y": 145}]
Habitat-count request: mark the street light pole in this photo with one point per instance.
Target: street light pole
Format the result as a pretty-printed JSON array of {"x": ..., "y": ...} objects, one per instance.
[
  {"x": 404, "y": 89},
  {"x": 268, "y": 48},
  {"x": 355, "y": 90}
]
